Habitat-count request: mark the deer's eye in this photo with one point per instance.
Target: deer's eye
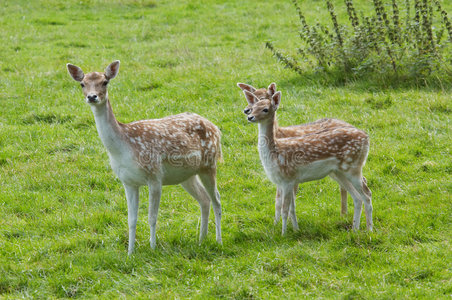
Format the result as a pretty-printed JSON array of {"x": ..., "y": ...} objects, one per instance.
[
  {"x": 105, "y": 83},
  {"x": 82, "y": 85},
  {"x": 265, "y": 110}
]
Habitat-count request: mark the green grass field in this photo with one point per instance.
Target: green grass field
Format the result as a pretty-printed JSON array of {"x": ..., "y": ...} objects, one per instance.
[{"x": 63, "y": 213}]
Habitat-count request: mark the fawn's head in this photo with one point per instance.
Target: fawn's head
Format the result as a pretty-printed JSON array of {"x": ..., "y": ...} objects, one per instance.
[
  {"x": 262, "y": 109},
  {"x": 259, "y": 93},
  {"x": 94, "y": 84}
]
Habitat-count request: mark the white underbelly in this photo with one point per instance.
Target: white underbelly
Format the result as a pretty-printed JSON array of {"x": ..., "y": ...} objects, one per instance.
[
  {"x": 317, "y": 170},
  {"x": 129, "y": 171},
  {"x": 175, "y": 174},
  {"x": 313, "y": 171}
]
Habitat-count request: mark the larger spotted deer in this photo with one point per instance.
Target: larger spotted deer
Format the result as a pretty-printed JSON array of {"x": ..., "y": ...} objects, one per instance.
[
  {"x": 292, "y": 131},
  {"x": 179, "y": 149},
  {"x": 339, "y": 153}
]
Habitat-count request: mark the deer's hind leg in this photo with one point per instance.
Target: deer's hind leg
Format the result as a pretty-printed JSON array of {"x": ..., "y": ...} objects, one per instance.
[
  {"x": 359, "y": 182},
  {"x": 357, "y": 198},
  {"x": 343, "y": 201},
  {"x": 356, "y": 185},
  {"x": 195, "y": 188},
  {"x": 209, "y": 180}
]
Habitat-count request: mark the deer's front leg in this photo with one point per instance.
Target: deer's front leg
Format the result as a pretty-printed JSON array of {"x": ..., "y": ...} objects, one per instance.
[
  {"x": 132, "y": 195},
  {"x": 155, "y": 192},
  {"x": 278, "y": 205},
  {"x": 287, "y": 197},
  {"x": 292, "y": 213}
]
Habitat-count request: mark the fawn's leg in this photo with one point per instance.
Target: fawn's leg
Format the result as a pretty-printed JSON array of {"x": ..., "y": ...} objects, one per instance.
[
  {"x": 194, "y": 187},
  {"x": 287, "y": 196},
  {"x": 293, "y": 215},
  {"x": 132, "y": 195},
  {"x": 343, "y": 201},
  {"x": 209, "y": 181},
  {"x": 357, "y": 198},
  {"x": 278, "y": 205},
  {"x": 155, "y": 192},
  {"x": 360, "y": 184}
]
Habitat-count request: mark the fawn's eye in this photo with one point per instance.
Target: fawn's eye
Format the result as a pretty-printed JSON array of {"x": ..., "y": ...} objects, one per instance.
[
  {"x": 105, "y": 83},
  {"x": 82, "y": 85},
  {"x": 265, "y": 110}
]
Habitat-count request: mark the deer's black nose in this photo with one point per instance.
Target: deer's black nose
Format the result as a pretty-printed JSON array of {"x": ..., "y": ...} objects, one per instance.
[
  {"x": 247, "y": 111},
  {"x": 92, "y": 98}
]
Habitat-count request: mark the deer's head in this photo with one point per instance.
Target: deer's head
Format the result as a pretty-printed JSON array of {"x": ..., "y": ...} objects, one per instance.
[
  {"x": 262, "y": 109},
  {"x": 259, "y": 93},
  {"x": 94, "y": 84}
]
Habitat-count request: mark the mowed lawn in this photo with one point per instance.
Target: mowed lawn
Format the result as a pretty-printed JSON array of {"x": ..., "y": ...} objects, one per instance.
[{"x": 63, "y": 213}]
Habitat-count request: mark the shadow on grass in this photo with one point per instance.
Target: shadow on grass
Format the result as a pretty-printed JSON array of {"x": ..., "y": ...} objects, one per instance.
[
  {"x": 309, "y": 230},
  {"x": 184, "y": 248},
  {"x": 313, "y": 230},
  {"x": 48, "y": 118},
  {"x": 10, "y": 283},
  {"x": 234, "y": 242}
]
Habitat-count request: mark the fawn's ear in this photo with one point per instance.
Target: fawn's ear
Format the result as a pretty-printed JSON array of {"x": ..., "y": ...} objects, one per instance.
[
  {"x": 246, "y": 87},
  {"x": 272, "y": 89},
  {"x": 250, "y": 97},
  {"x": 112, "y": 70},
  {"x": 75, "y": 72},
  {"x": 276, "y": 99}
]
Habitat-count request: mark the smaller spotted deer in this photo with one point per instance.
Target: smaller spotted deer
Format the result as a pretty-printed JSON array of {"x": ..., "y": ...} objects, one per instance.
[
  {"x": 179, "y": 149},
  {"x": 292, "y": 131},
  {"x": 339, "y": 153}
]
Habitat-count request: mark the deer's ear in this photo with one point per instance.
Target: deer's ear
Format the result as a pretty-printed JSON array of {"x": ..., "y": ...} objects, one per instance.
[
  {"x": 250, "y": 97},
  {"x": 246, "y": 87},
  {"x": 112, "y": 70},
  {"x": 272, "y": 89},
  {"x": 75, "y": 72},
  {"x": 276, "y": 99}
]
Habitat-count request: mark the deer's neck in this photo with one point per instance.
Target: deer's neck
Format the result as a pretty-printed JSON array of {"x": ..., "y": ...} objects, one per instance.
[
  {"x": 108, "y": 128},
  {"x": 266, "y": 138},
  {"x": 267, "y": 148}
]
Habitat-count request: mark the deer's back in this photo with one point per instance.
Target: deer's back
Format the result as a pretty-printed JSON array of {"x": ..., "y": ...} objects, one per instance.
[
  {"x": 313, "y": 127},
  {"x": 185, "y": 140}
]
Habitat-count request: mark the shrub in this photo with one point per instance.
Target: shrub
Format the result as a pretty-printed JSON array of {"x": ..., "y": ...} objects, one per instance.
[{"x": 384, "y": 45}]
